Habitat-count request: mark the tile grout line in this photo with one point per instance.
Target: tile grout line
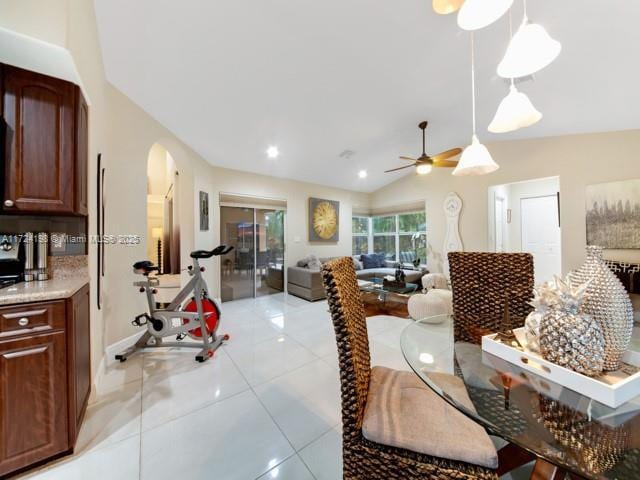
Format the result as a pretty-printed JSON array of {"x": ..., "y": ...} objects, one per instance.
[
  {"x": 295, "y": 452},
  {"x": 141, "y": 412}
]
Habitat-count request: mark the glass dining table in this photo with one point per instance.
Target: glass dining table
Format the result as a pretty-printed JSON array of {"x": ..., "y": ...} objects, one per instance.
[{"x": 565, "y": 432}]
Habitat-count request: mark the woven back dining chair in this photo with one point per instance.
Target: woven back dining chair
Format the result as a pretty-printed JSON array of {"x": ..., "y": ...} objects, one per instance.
[
  {"x": 482, "y": 283},
  {"x": 364, "y": 459}
]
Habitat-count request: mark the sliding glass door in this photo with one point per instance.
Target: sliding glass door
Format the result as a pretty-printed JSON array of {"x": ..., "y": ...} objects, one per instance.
[
  {"x": 269, "y": 252},
  {"x": 255, "y": 267},
  {"x": 237, "y": 269}
]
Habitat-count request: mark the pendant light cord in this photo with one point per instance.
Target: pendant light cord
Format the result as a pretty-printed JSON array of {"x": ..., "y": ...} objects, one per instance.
[
  {"x": 524, "y": 5},
  {"x": 513, "y": 83},
  {"x": 473, "y": 83}
]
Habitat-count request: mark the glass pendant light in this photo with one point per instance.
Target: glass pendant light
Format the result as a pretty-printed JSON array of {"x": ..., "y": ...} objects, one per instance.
[
  {"x": 444, "y": 7},
  {"x": 530, "y": 50},
  {"x": 476, "y": 14},
  {"x": 475, "y": 159},
  {"x": 515, "y": 110}
]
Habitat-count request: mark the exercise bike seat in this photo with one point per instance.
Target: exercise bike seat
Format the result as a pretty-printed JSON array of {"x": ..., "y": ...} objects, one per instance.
[{"x": 144, "y": 267}]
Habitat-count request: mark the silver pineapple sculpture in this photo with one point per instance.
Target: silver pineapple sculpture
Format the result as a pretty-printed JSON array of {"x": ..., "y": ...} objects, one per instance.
[
  {"x": 567, "y": 337},
  {"x": 607, "y": 301}
]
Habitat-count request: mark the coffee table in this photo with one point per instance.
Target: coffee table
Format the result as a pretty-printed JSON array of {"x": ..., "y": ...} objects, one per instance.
[{"x": 381, "y": 300}]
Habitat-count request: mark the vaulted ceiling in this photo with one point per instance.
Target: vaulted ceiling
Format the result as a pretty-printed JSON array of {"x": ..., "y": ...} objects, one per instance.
[{"x": 318, "y": 78}]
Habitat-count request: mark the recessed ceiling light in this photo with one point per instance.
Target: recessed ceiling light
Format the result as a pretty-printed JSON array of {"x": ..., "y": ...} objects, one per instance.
[
  {"x": 362, "y": 174},
  {"x": 273, "y": 152}
]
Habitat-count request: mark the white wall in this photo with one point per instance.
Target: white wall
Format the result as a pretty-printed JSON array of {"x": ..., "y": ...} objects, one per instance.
[{"x": 578, "y": 160}]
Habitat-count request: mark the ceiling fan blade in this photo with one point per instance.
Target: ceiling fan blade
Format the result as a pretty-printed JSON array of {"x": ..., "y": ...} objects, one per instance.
[
  {"x": 409, "y": 158},
  {"x": 448, "y": 154},
  {"x": 399, "y": 168},
  {"x": 445, "y": 163}
]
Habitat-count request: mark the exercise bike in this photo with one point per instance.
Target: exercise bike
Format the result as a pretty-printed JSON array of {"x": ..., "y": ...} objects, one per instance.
[{"x": 199, "y": 318}]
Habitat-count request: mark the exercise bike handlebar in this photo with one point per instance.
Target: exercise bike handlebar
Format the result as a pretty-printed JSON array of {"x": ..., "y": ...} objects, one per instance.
[{"x": 219, "y": 250}]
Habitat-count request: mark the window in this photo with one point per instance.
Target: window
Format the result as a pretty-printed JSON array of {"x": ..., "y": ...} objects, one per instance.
[
  {"x": 384, "y": 236},
  {"x": 401, "y": 237},
  {"x": 412, "y": 237},
  {"x": 360, "y": 237}
]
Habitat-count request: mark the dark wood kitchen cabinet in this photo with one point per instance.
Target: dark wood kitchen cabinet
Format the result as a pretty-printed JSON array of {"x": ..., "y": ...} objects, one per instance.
[
  {"x": 45, "y": 379},
  {"x": 79, "y": 358},
  {"x": 33, "y": 382},
  {"x": 45, "y": 136}
]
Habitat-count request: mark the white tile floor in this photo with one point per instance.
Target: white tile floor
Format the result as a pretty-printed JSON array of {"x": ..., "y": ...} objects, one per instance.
[{"x": 266, "y": 407}]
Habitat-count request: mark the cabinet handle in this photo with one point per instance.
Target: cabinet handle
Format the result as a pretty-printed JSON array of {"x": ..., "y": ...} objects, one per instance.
[
  {"x": 23, "y": 353},
  {"x": 23, "y": 322},
  {"x": 8, "y": 203},
  {"x": 22, "y": 314}
]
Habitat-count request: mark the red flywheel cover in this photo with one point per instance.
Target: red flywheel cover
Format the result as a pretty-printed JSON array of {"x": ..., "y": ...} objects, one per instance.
[{"x": 207, "y": 307}]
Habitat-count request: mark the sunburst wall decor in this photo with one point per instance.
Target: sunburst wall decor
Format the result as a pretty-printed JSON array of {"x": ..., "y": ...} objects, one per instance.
[{"x": 324, "y": 220}]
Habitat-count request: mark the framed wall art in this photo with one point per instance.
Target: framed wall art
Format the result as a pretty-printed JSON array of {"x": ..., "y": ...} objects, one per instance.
[
  {"x": 613, "y": 214},
  {"x": 324, "y": 220}
]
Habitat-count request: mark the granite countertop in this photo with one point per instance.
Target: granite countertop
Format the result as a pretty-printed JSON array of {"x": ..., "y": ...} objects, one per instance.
[{"x": 53, "y": 289}]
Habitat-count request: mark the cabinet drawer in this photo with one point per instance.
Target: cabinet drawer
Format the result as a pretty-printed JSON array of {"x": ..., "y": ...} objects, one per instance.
[{"x": 31, "y": 318}]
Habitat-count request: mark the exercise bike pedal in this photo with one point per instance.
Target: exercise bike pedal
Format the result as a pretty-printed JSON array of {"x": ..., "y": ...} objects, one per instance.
[
  {"x": 181, "y": 336},
  {"x": 137, "y": 322},
  {"x": 122, "y": 358}
]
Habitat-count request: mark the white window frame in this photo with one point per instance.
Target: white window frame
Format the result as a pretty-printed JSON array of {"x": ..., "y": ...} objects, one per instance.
[
  {"x": 396, "y": 234},
  {"x": 367, "y": 235}
]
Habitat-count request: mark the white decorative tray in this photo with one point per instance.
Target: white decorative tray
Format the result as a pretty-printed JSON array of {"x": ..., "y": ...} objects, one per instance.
[{"x": 612, "y": 388}]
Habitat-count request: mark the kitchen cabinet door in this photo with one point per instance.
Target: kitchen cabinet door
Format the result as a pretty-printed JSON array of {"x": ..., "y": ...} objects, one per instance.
[
  {"x": 33, "y": 399},
  {"x": 39, "y": 136}
]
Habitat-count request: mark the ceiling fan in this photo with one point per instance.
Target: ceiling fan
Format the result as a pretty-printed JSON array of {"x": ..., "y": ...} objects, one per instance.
[{"x": 424, "y": 163}]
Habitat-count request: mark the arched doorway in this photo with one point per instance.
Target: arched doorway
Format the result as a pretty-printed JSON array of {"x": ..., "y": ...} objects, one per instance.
[{"x": 163, "y": 226}]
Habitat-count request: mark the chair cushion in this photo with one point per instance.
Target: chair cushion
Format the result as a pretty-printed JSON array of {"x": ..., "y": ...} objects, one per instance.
[{"x": 403, "y": 412}]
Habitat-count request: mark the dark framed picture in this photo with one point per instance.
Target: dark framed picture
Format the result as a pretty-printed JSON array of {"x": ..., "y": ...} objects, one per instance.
[{"x": 204, "y": 211}]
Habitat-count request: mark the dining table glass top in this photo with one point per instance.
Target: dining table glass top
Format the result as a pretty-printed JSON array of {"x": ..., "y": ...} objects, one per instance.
[{"x": 554, "y": 423}]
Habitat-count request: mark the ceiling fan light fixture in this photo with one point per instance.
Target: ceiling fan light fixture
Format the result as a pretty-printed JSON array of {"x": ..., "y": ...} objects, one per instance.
[
  {"x": 514, "y": 112},
  {"x": 475, "y": 160},
  {"x": 477, "y": 14},
  {"x": 424, "y": 169},
  {"x": 444, "y": 7},
  {"x": 530, "y": 50}
]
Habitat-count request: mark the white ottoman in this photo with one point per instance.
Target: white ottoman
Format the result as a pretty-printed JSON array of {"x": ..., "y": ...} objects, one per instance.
[
  {"x": 433, "y": 303},
  {"x": 435, "y": 280}
]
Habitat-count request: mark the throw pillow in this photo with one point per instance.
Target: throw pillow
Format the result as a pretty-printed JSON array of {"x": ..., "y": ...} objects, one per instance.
[
  {"x": 314, "y": 262},
  {"x": 371, "y": 260},
  {"x": 357, "y": 264},
  {"x": 302, "y": 263}
]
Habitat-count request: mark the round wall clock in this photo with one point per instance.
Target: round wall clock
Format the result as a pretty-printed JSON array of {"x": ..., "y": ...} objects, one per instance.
[{"x": 325, "y": 220}]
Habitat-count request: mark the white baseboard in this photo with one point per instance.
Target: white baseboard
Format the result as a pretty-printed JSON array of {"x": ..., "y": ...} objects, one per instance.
[
  {"x": 117, "y": 347},
  {"x": 97, "y": 379}
]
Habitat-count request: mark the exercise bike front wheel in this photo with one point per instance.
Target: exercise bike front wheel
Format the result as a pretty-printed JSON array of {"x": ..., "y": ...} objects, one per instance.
[{"x": 213, "y": 317}]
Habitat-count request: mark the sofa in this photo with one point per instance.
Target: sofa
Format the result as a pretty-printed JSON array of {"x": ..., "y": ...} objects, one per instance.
[{"x": 304, "y": 280}]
